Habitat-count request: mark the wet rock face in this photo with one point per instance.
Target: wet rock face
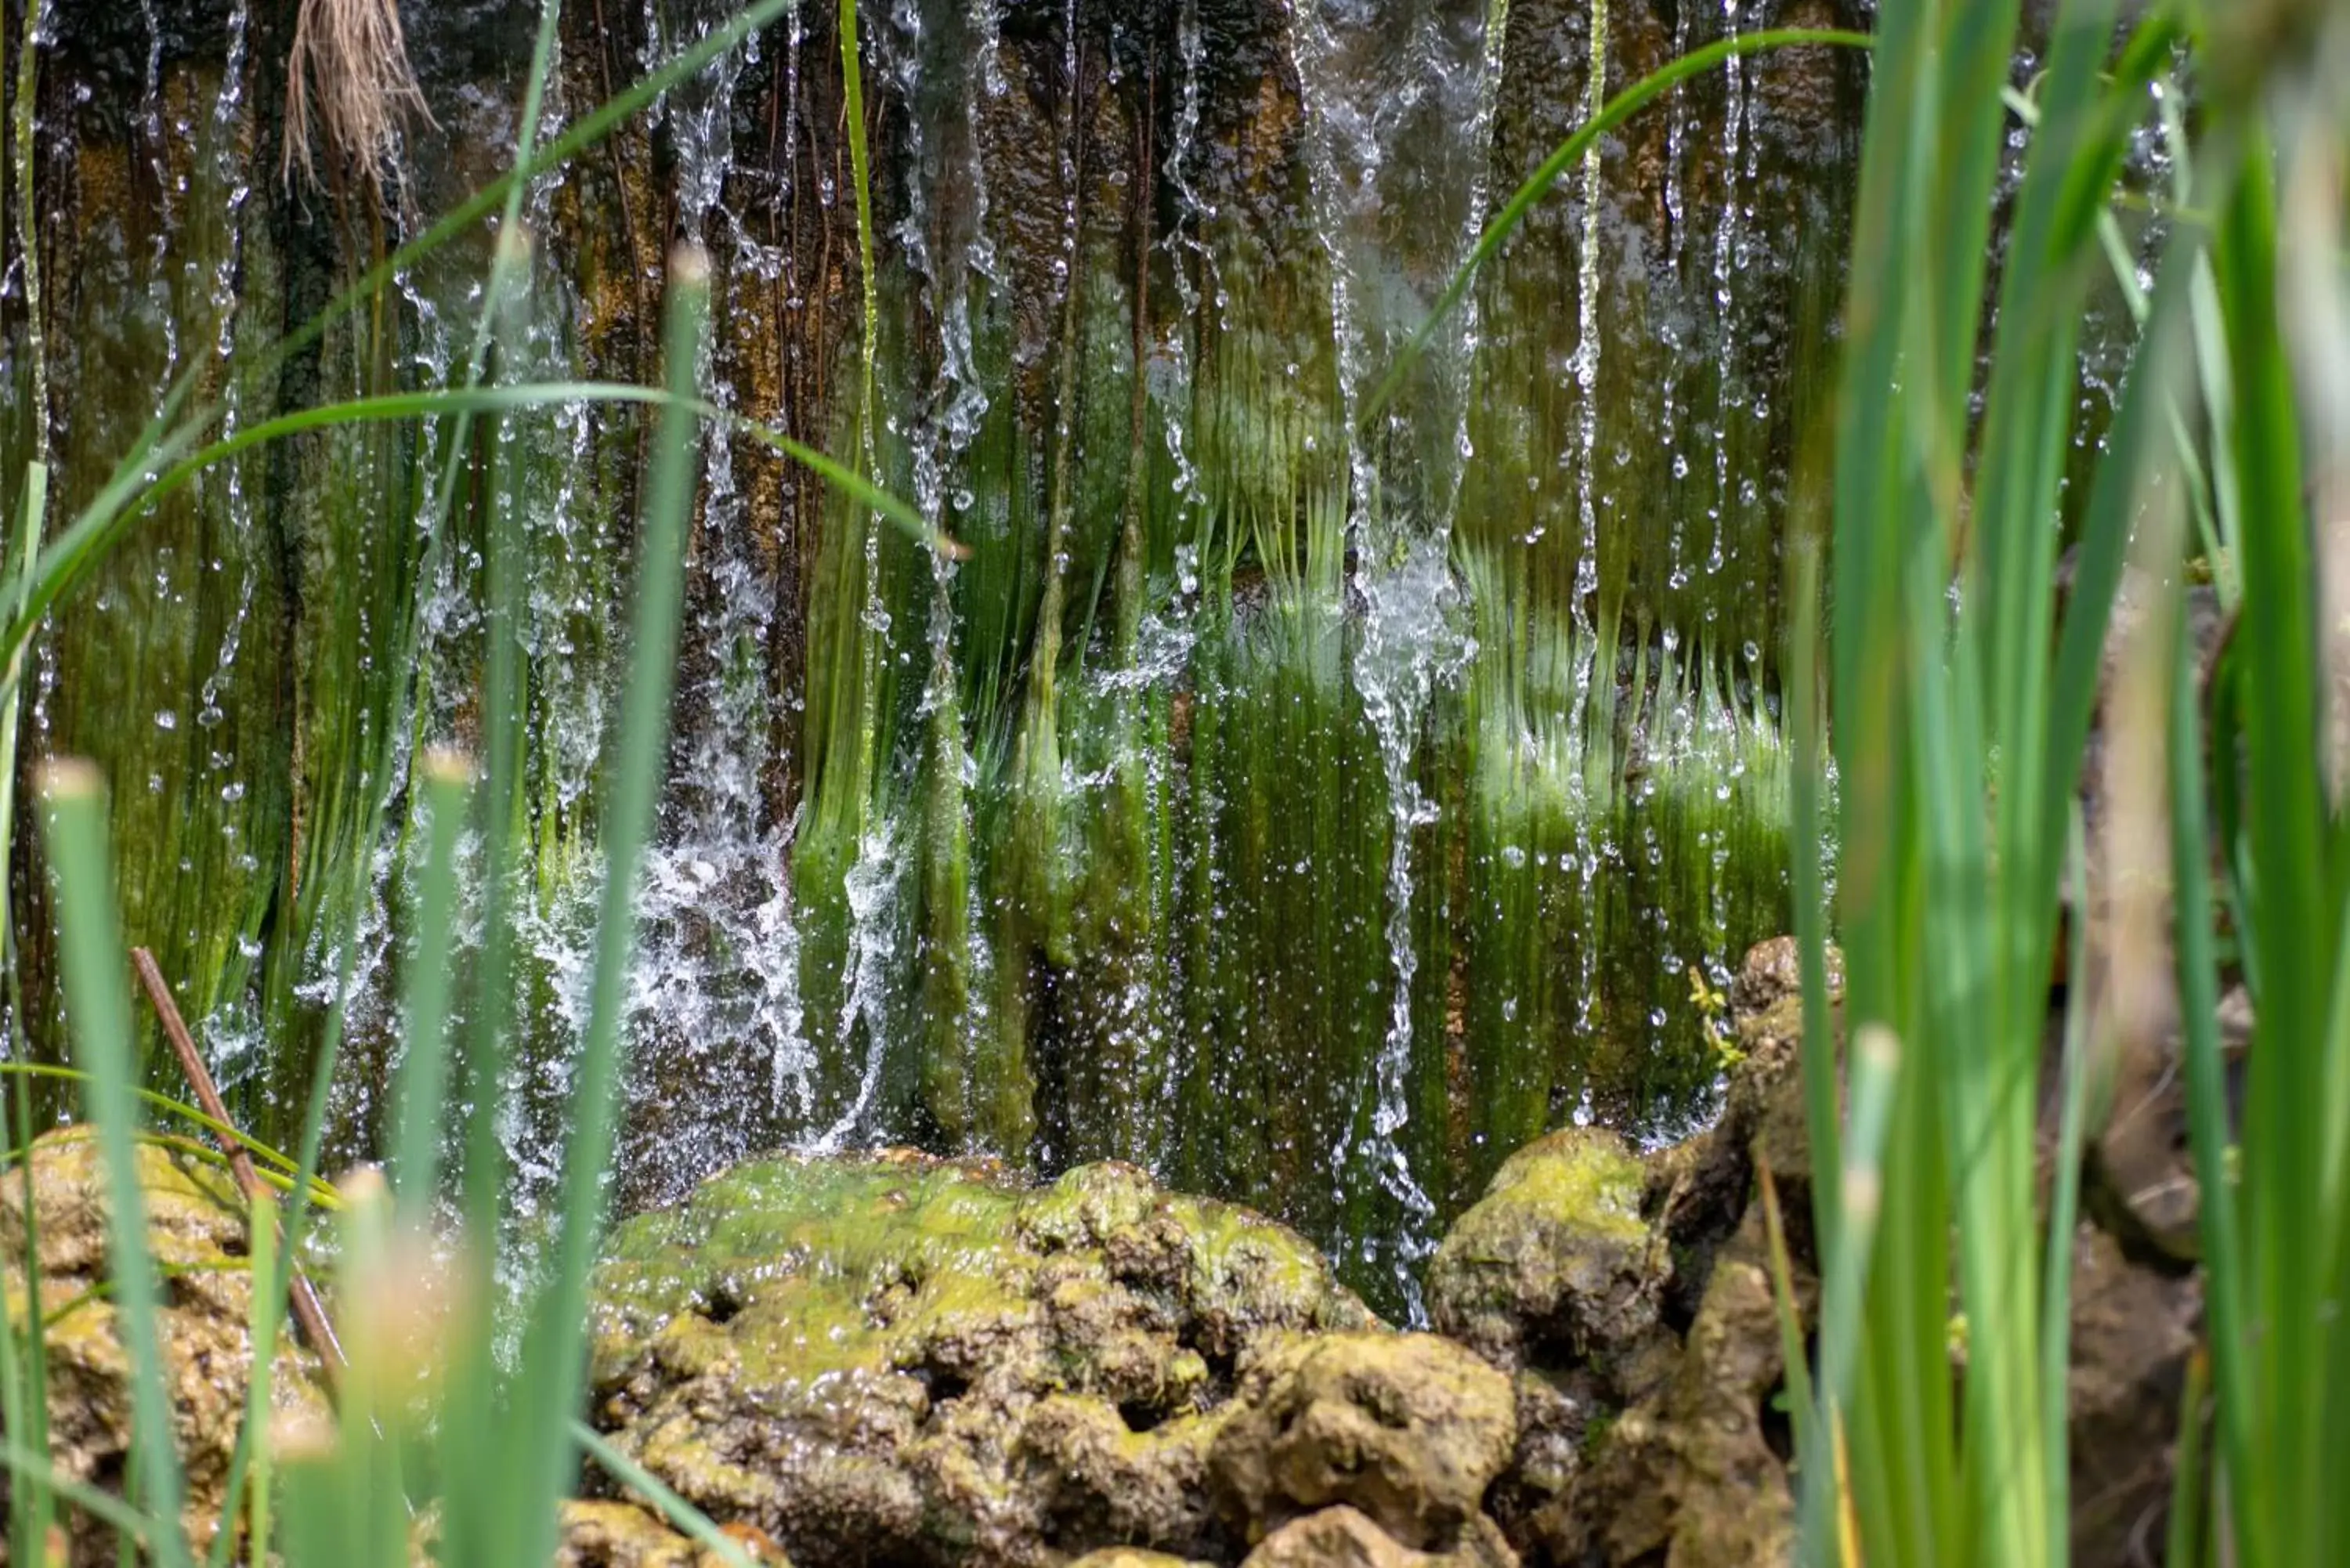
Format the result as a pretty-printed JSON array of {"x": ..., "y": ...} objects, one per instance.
[
  {"x": 898, "y": 1358},
  {"x": 195, "y": 1227},
  {"x": 1689, "y": 1476},
  {"x": 1409, "y": 1431}
]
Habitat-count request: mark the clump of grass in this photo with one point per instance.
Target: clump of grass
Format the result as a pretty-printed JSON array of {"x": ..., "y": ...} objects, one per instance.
[{"x": 1960, "y": 736}]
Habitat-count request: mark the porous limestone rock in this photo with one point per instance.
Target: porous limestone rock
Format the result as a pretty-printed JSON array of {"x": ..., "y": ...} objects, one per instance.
[
  {"x": 1409, "y": 1429},
  {"x": 1687, "y": 1477},
  {"x": 1556, "y": 1263},
  {"x": 1344, "y": 1537},
  {"x": 892, "y": 1358},
  {"x": 1133, "y": 1557},
  {"x": 600, "y": 1532}
]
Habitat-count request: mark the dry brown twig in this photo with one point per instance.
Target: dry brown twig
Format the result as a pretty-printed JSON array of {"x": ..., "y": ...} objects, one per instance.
[
  {"x": 352, "y": 55},
  {"x": 309, "y": 1313}
]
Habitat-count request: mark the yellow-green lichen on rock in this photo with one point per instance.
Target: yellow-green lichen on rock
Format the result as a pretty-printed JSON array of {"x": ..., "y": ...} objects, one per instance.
[{"x": 923, "y": 1360}]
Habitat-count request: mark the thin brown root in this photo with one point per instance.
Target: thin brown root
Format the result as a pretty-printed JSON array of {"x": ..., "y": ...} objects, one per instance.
[{"x": 352, "y": 56}]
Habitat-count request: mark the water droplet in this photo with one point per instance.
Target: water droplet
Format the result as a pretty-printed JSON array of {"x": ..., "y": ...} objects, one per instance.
[{"x": 166, "y": 720}]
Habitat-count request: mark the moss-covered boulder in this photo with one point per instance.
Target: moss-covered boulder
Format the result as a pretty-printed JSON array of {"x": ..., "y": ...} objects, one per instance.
[
  {"x": 898, "y": 1358},
  {"x": 1409, "y": 1430},
  {"x": 195, "y": 1231},
  {"x": 1556, "y": 1262}
]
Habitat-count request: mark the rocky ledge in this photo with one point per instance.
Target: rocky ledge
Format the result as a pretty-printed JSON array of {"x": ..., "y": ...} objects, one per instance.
[
  {"x": 896, "y": 1360},
  {"x": 900, "y": 1360}
]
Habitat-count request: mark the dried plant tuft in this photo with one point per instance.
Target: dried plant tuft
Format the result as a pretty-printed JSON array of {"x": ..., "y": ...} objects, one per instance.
[{"x": 351, "y": 58}]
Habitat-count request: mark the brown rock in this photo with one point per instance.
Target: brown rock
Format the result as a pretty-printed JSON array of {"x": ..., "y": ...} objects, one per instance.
[
  {"x": 1410, "y": 1429},
  {"x": 1344, "y": 1537},
  {"x": 195, "y": 1227},
  {"x": 603, "y": 1533},
  {"x": 1132, "y": 1557},
  {"x": 2133, "y": 1331},
  {"x": 1689, "y": 1478}
]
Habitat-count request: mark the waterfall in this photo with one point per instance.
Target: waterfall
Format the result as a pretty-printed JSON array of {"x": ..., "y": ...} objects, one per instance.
[
  {"x": 1249, "y": 795},
  {"x": 1396, "y": 106}
]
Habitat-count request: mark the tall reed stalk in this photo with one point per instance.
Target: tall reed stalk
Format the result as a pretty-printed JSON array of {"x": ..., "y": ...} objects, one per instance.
[{"x": 1960, "y": 712}]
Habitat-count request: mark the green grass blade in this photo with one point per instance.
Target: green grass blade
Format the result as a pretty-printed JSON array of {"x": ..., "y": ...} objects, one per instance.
[
  {"x": 2063, "y": 1217},
  {"x": 250, "y": 1465},
  {"x": 1876, "y": 1068},
  {"x": 2206, "y": 1096},
  {"x": 22, "y": 1400},
  {"x": 1801, "y": 1405},
  {"x": 425, "y": 1066},
  {"x": 551, "y": 1368},
  {"x": 1820, "y": 1110},
  {"x": 31, "y": 1508},
  {"x": 2284, "y": 817},
  {"x": 99, "y": 1001},
  {"x": 33, "y": 509}
]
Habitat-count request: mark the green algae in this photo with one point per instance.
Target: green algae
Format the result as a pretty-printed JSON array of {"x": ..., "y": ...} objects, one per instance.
[
  {"x": 816, "y": 1268},
  {"x": 1587, "y": 1183}
]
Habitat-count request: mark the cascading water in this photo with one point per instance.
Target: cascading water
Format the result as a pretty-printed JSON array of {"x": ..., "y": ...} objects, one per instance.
[
  {"x": 717, "y": 985},
  {"x": 1308, "y": 801},
  {"x": 1397, "y": 110}
]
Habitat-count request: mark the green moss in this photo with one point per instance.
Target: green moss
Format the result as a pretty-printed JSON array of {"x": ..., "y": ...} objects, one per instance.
[
  {"x": 795, "y": 1270},
  {"x": 1590, "y": 1184}
]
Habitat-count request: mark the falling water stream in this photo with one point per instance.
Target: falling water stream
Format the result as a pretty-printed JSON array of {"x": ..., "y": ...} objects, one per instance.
[{"x": 1311, "y": 801}]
